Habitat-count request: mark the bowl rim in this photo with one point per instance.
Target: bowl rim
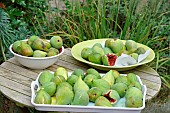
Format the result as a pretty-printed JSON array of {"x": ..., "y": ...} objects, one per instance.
[{"x": 35, "y": 58}]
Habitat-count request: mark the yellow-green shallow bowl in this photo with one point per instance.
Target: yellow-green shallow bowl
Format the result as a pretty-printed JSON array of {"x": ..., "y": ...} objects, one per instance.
[{"x": 76, "y": 53}]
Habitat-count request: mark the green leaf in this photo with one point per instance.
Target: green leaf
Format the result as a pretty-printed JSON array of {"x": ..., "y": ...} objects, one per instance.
[{"x": 13, "y": 1}]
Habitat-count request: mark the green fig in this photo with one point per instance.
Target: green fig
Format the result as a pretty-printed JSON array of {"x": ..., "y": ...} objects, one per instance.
[
  {"x": 61, "y": 71},
  {"x": 136, "y": 84},
  {"x": 123, "y": 52},
  {"x": 39, "y": 53},
  {"x": 94, "y": 93},
  {"x": 108, "y": 43},
  {"x": 38, "y": 44},
  {"x": 58, "y": 79},
  {"x": 115, "y": 73},
  {"x": 47, "y": 43},
  {"x": 52, "y": 52},
  {"x": 121, "y": 88},
  {"x": 101, "y": 83},
  {"x": 135, "y": 56},
  {"x": 120, "y": 103},
  {"x": 103, "y": 101},
  {"x": 31, "y": 39},
  {"x": 97, "y": 49},
  {"x": 107, "y": 50},
  {"x": 15, "y": 46},
  {"x": 117, "y": 46},
  {"x": 133, "y": 102},
  {"x": 45, "y": 76},
  {"x": 95, "y": 58},
  {"x": 64, "y": 84},
  {"x": 72, "y": 79},
  {"x": 140, "y": 50},
  {"x": 112, "y": 96},
  {"x": 122, "y": 79},
  {"x": 109, "y": 59},
  {"x": 89, "y": 79},
  {"x": 132, "y": 77},
  {"x": 81, "y": 98},
  {"x": 98, "y": 45},
  {"x": 24, "y": 49},
  {"x": 94, "y": 72},
  {"x": 109, "y": 77},
  {"x": 78, "y": 72},
  {"x": 42, "y": 97},
  {"x": 64, "y": 96},
  {"x": 50, "y": 88},
  {"x": 134, "y": 92},
  {"x": 86, "y": 52},
  {"x": 80, "y": 85},
  {"x": 131, "y": 46},
  {"x": 56, "y": 42}
]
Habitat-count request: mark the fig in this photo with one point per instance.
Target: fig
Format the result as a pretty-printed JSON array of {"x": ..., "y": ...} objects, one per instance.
[
  {"x": 94, "y": 93},
  {"x": 31, "y": 39},
  {"x": 97, "y": 49},
  {"x": 81, "y": 98},
  {"x": 64, "y": 96},
  {"x": 107, "y": 50},
  {"x": 135, "y": 56},
  {"x": 132, "y": 77},
  {"x": 133, "y": 102},
  {"x": 115, "y": 73},
  {"x": 80, "y": 85},
  {"x": 45, "y": 76},
  {"x": 78, "y": 72},
  {"x": 46, "y": 43},
  {"x": 121, "y": 88},
  {"x": 61, "y": 71},
  {"x": 131, "y": 46},
  {"x": 95, "y": 58},
  {"x": 98, "y": 45},
  {"x": 42, "y": 97},
  {"x": 108, "y": 43},
  {"x": 39, "y": 53},
  {"x": 112, "y": 96},
  {"x": 50, "y": 88},
  {"x": 24, "y": 49},
  {"x": 109, "y": 59},
  {"x": 15, "y": 46},
  {"x": 136, "y": 84},
  {"x": 117, "y": 46},
  {"x": 123, "y": 52},
  {"x": 72, "y": 79},
  {"x": 140, "y": 50},
  {"x": 89, "y": 79},
  {"x": 52, "y": 52},
  {"x": 94, "y": 72},
  {"x": 120, "y": 103},
  {"x": 122, "y": 79},
  {"x": 58, "y": 79},
  {"x": 103, "y": 101},
  {"x": 38, "y": 44},
  {"x": 101, "y": 83},
  {"x": 64, "y": 84},
  {"x": 109, "y": 77},
  {"x": 133, "y": 92},
  {"x": 86, "y": 52},
  {"x": 56, "y": 42}
]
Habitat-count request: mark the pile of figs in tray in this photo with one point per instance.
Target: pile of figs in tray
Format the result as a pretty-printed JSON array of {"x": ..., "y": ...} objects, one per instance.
[
  {"x": 84, "y": 88},
  {"x": 37, "y": 47},
  {"x": 112, "y": 49}
]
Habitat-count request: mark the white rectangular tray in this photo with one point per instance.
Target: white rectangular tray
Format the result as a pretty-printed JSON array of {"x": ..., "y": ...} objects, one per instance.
[{"x": 89, "y": 108}]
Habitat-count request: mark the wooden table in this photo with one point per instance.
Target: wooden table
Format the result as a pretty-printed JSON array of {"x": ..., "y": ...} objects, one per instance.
[{"x": 15, "y": 79}]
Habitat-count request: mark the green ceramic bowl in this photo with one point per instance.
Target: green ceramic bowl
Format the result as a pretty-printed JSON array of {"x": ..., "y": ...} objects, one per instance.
[{"x": 76, "y": 53}]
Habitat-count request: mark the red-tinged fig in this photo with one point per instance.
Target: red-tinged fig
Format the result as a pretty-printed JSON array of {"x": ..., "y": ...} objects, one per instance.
[
  {"x": 109, "y": 59},
  {"x": 112, "y": 96}
]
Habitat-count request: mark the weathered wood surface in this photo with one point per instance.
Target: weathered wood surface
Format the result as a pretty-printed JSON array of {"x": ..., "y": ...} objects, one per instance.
[{"x": 15, "y": 79}]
